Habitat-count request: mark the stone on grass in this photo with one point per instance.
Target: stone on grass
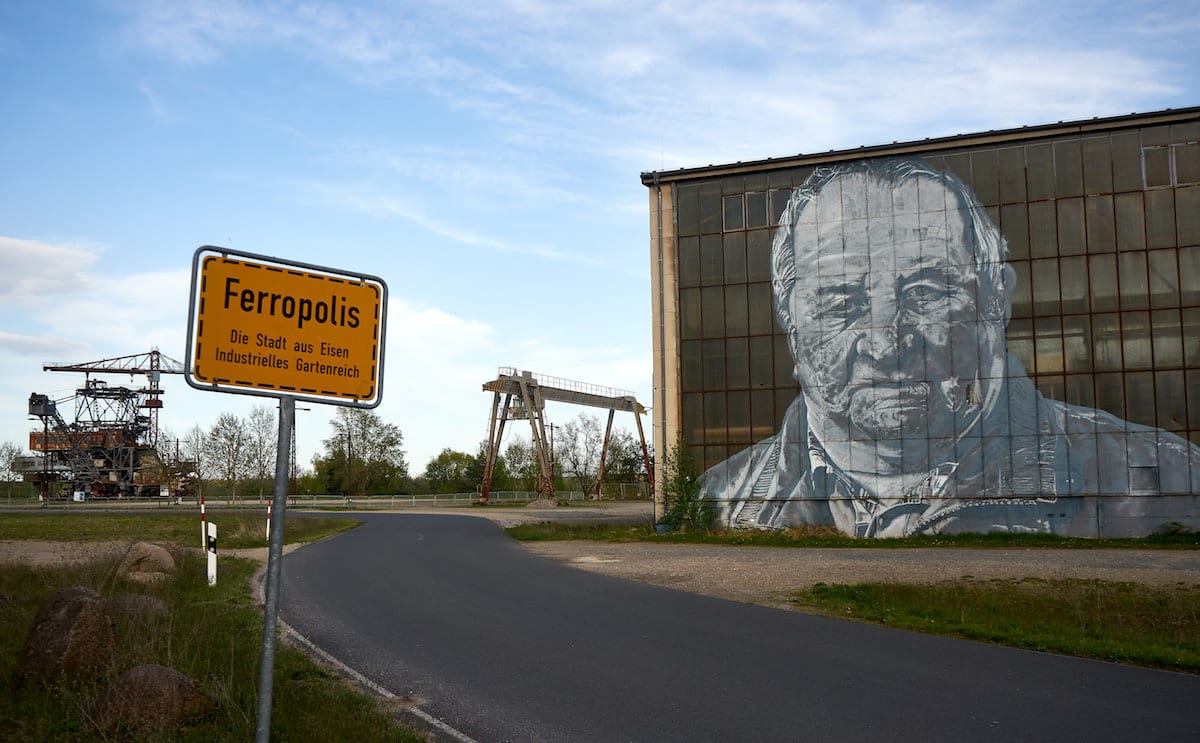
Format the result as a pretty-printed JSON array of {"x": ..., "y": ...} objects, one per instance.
[
  {"x": 150, "y": 697},
  {"x": 72, "y": 636},
  {"x": 147, "y": 563},
  {"x": 138, "y": 606}
]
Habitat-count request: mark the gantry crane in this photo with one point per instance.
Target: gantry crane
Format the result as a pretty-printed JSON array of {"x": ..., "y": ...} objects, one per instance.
[
  {"x": 525, "y": 396},
  {"x": 111, "y": 447}
]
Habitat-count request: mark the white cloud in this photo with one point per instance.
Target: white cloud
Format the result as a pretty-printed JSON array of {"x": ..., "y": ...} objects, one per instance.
[{"x": 36, "y": 271}]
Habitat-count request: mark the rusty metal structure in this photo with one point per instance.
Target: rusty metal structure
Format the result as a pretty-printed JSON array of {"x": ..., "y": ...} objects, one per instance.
[
  {"x": 110, "y": 447},
  {"x": 525, "y": 396}
]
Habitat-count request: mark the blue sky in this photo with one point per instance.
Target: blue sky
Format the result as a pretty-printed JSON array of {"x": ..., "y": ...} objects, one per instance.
[{"x": 483, "y": 158}]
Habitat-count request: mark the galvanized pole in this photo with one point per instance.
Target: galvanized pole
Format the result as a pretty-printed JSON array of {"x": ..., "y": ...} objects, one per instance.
[{"x": 266, "y": 669}]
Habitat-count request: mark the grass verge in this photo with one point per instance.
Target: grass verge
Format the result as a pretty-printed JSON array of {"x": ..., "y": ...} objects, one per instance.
[
  {"x": 235, "y": 529},
  {"x": 1120, "y": 622},
  {"x": 212, "y": 634},
  {"x": 828, "y": 537}
]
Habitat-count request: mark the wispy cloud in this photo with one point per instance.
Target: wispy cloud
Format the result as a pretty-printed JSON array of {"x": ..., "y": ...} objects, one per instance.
[{"x": 36, "y": 271}]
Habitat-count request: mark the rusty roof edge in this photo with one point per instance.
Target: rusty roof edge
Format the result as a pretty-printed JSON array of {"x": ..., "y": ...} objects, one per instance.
[{"x": 1096, "y": 124}]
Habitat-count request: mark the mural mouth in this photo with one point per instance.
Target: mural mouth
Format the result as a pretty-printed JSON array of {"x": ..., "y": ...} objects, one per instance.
[{"x": 889, "y": 410}]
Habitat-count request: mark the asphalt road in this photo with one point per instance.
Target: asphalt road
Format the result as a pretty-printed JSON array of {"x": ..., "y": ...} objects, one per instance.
[{"x": 506, "y": 646}]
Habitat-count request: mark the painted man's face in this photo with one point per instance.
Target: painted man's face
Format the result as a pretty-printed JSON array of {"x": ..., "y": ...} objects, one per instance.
[{"x": 886, "y": 304}]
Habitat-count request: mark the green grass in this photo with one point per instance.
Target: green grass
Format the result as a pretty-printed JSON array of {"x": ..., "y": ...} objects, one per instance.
[
  {"x": 827, "y": 537},
  {"x": 235, "y": 529},
  {"x": 1120, "y": 622},
  {"x": 212, "y": 634}
]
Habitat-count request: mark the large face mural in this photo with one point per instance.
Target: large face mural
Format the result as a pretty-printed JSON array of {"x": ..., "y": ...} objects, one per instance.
[{"x": 891, "y": 285}]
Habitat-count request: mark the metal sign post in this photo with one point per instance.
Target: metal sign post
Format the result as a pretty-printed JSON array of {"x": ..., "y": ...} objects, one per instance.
[{"x": 266, "y": 670}]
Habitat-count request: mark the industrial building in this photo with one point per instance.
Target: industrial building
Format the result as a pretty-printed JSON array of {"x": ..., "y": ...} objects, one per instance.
[{"x": 806, "y": 311}]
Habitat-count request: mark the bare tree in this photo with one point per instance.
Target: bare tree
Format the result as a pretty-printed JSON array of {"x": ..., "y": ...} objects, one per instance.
[
  {"x": 262, "y": 432},
  {"x": 578, "y": 451},
  {"x": 227, "y": 449}
]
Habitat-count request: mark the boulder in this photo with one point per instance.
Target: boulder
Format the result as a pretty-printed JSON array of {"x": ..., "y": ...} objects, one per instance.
[
  {"x": 150, "y": 697},
  {"x": 139, "y": 607},
  {"x": 147, "y": 563},
  {"x": 72, "y": 635}
]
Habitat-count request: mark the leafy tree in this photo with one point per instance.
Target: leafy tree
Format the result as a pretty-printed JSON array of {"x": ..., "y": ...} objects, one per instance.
[
  {"x": 521, "y": 464},
  {"x": 683, "y": 506},
  {"x": 450, "y": 472},
  {"x": 364, "y": 456}
]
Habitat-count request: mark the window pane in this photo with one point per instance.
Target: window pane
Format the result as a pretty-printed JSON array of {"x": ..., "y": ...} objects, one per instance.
[
  {"x": 1135, "y": 284},
  {"x": 1160, "y": 218},
  {"x": 762, "y": 414},
  {"x": 1077, "y": 343},
  {"x": 1043, "y": 229},
  {"x": 1110, "y": 393},
  {"x": 762, "y": 368},
  {"x": 735, "y": 310},
  {"x": 1135, "y": 340},
  {"x": 1045, "y": 287},
  {"x": 1189, "y": 274},
  {"x": 1187, "y": 215},
  {"x": 1127, "y": 162},
  {"x": 1097, "y": 165},
  {"x": 1012, "y": 175},
  {"x": 712, "y": 303},
  {"x": 1052, "y": 387},
  {"x": 689, "y": 261},
  {"x": 1068, "y": 169},
  {"x": 693, "y": 418},
  {"x": 1193, "y": 398},
  {"x": 1102, "y": 274},
  {"x": 1079, "y": 390},
  {"x": 1164, "y": 279},
  {"x": 714, "y": 364},
  {"x": 735, "y": 257},
  {"x": 1131, "y": 222},
  {"x": 739, "y": 417},
  {"x": 737, "y": 363},
  {"x": 756, "y": 209},
  {"x": 1191, "y": 337},
  {"x": 712, "y": 260},
  {"x": 1106, "y": 342},
  {"x": 1014, "y": 224},
  {"x": 983, "y": 177},
  {"x": 1156, "y": 164},
  {"x": 1039, "y": 171},
  {"x": 1020, "y": 343},
  {"x": 688, "y": 216},
  {"x": 1187, "y": 163},
  {"x": 714, "y": 418},
  {"x": 1048, "y": 345},
  {"x": 1101, "y": 232},
  {"x": 761, "y": 313},
  {"x": 1071, "y": 234},
  {"x": 758, "y": 256},
  {"x": 1168, "y": 339},
  {"x": 1022, "y": 297},
  {"x": 691, "y": 366},
  {"x": 779, "y": 200},
  {"x": 1074, "y": 282},
  {"x": 1139, "y": 398},
  {"x": 710, "y": 208},
  {"x": 689, "y": 313},
  {"x": 784, "y": 368},
  {"x": 732, "y": 208}
]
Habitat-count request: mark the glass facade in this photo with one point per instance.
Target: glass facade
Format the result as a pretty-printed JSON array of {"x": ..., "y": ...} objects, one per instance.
[{"x": 1103, "y": 238}]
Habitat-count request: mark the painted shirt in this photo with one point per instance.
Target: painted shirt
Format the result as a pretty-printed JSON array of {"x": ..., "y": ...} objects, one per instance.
[{"x": 1032, "y": 465}]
